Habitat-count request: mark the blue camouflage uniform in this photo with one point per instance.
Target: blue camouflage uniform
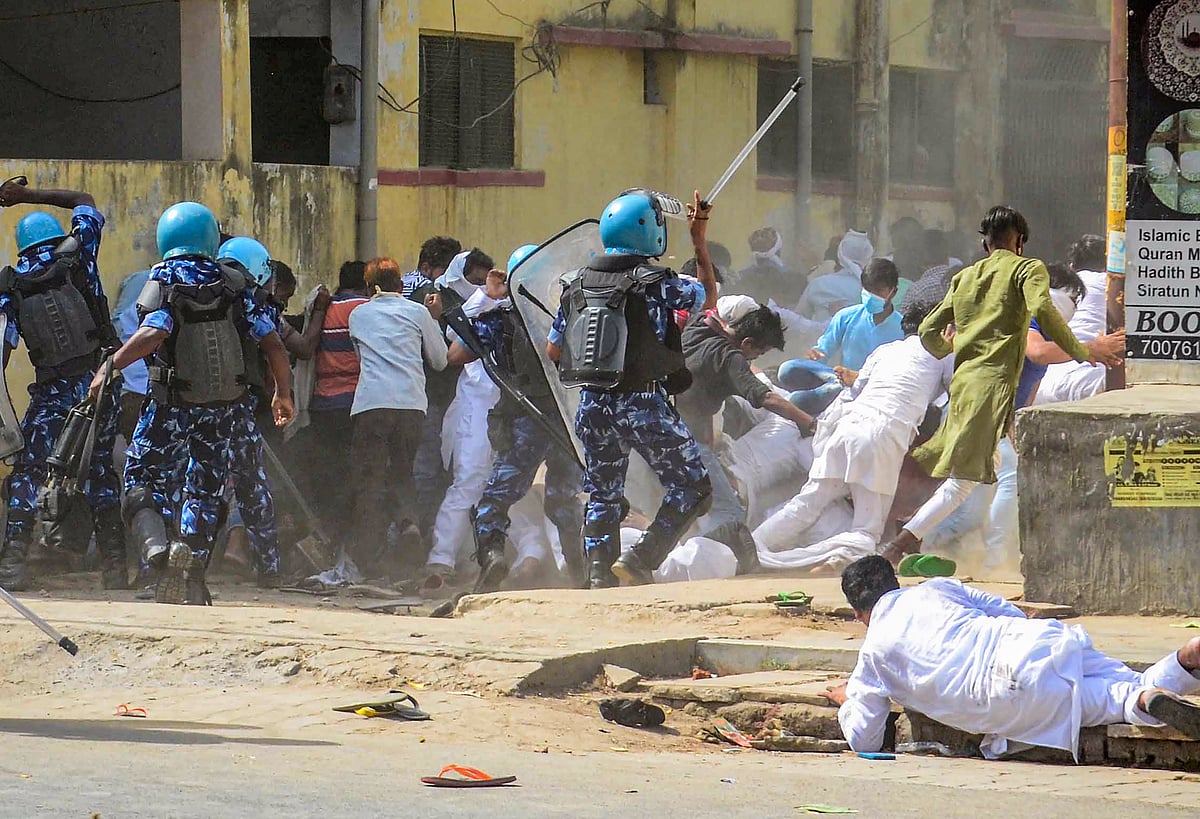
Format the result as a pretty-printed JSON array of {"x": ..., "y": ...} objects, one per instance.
[
  {"x": 50, "y": 402},
  {"x": 198, "y": 441},
  {"x": 611, "y": 424},
  {"x": 515, "y": 466}
]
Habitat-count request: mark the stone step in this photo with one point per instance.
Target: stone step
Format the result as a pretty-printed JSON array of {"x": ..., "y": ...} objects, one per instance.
[{"x": 800, "y": 687}]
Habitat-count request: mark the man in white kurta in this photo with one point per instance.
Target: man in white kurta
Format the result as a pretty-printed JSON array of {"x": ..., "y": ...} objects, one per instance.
[
  {"x": 859, "y": 447},
  {"x": 466, "y": 449},
  {"x": 972, "y": 661}
]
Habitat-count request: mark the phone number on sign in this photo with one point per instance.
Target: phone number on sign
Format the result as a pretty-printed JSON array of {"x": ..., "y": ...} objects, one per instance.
[{"x": 1186, "y": 349}]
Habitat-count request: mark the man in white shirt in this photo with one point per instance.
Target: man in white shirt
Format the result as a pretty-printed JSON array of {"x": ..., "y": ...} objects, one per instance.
[
  {"x": 1073, "y": 381},
  {"x": 859, "y": 449},
  {"x": 394, "y": 338},
  {"x": 972, "y": 661}
]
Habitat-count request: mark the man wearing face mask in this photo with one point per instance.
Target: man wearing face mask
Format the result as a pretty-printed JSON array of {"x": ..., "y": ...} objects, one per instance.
[{"x": 853, "y": 334}]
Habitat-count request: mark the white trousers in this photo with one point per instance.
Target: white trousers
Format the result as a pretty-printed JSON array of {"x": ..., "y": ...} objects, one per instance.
[
  {"x": 471, "y": 461},
  {"x": 786, "y": 528},
  {"x": 1110, "y": 689},
  {"x": 949, "y": 496}
]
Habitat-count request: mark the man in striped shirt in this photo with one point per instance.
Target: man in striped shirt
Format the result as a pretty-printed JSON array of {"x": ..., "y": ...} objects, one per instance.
[{"x": 326, "y": 451}]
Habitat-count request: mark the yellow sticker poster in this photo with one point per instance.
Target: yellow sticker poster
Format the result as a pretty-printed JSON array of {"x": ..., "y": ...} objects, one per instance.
[{"x": 1167, "y": 474}]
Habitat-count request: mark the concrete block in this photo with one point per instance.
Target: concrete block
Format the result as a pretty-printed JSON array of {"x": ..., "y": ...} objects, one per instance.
[
  {"x": 802, "y": 745},
  {"x": 621, "y": 679},
  {"x": 1147, "y": 753},
  {"x": 660, "y": 658},
  {"x": 727, "y": 657},
  {"x": 1045, "y": 611},
  {"x": 1080, "y": 550},
  {"x": 801, "y": 720}
]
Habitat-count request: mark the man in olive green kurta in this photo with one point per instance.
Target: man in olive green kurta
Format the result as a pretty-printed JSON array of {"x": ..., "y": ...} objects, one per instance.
[{"x": 988, "y": 308}]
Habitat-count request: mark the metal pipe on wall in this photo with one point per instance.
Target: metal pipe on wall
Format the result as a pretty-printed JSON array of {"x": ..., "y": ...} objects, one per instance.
[
  {"x": 804, "y": 114},
  {"x": 368, "y": 168},
  {"x": 871, "y": 127},
  {"x": 1118, "y": 93}
]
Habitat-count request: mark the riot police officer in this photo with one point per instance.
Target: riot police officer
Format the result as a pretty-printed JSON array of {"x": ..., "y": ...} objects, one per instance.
[
  {"x": 521, "y": 443},
  {"x": 251, "y": 488},
  {"x": 196, "y": 316},
  {"x": 615, "y": 335},
  {"x": 53, "y": 299}
]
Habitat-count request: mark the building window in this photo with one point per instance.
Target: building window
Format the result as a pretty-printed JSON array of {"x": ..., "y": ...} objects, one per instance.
[
  {"x": 287, "y": 87},
  {"x": 466, "y": 109},
  {"x": 922, "y": 127},
  {"x": 833, "y": 119}
]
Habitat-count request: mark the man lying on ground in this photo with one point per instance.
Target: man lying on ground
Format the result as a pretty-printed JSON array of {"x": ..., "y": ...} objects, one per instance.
[{"x": 972, "y": 661}]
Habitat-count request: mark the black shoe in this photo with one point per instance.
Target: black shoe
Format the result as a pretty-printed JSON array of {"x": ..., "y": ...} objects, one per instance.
[
  {"x": 110, "y": 542},
  {"x": 600, "y": 574},
  {"x": 632, "y": 713},
  {"x": 1176, "y": 712},
  {"x": 493, "y": 567},
  {"x": 740, "y": 541},
  {"x": 269, "y": 580},
  {"x": 630, "y": 569},
  {"x": 573, "y": 554},
  {"x": 14, "y": 577},
  {"x": 196, "y": 590},
  {"x": 171, "y": 587}
]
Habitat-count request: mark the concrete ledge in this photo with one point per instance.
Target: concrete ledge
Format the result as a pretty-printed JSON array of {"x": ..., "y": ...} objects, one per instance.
[
  {"x": 725, "y": 657},
  {"x": 661, "y": 658}
]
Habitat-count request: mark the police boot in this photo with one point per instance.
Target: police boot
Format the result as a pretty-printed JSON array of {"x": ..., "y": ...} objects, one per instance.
[
  {"x": 13, "y": 575},
  {"x": 739, "y": 540},
  {"x": 196, "y": 589},
  {"x": 493, "y": 567},
  {"x": 150, "y": 537},
  {"x": 172, "y": 566},
  {"x": 601, "y": 555},
  {"x": 110, "y": 541},
  {"x": 571, "y": 541}
]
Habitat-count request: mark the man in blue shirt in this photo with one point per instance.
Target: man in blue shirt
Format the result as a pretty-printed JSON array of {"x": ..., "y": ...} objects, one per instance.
[
  {"x": 623, "y": 405},
  {"x": 194, "y": 325},
  {"x": 53, "y": 299},
  {"x": 852, "y": 335}
]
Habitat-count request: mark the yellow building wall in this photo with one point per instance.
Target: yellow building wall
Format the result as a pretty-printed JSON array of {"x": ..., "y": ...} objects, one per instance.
[
  {"x": 305, "y": 215},
  {"x": 588, "y": 130}
]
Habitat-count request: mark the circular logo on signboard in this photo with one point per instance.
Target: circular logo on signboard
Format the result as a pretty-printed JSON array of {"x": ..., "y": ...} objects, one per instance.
[
  {"x": 1173, "y": 161},
  {"x": 1172, "y": 49}
]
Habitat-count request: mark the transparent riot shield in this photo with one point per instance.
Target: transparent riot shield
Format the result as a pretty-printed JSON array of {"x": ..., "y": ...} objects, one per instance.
[
  {"x": 11, "y": 439},
  {"x": 536, "y": 288}
]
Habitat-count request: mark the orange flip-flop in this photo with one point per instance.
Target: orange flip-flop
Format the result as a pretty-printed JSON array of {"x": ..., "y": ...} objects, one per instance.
[
  {"x": 466, "y": 778},
  {"x": 124, "y": 710}
]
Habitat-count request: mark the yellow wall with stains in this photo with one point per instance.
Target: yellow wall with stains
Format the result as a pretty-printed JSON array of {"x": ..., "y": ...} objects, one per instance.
[
  {"x": 589, "y": 131},
  {"x": 304, "y": 214}
]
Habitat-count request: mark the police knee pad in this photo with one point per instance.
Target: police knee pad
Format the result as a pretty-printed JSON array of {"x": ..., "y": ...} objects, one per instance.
[{"x": 136, "y": 500}]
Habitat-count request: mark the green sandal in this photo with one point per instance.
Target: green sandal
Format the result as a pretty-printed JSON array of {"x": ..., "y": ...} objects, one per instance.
[{"x": 927, "y": 566}]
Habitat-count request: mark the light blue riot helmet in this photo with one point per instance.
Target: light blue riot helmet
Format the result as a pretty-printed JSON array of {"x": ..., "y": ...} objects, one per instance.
[
  {"x": 188, "y": 229},
  {"x": 37, "y": 227},
  {"x": 250, "y": 255},
  {"x": 519, "y": 255},
  {"x": 633, "y": 224}
]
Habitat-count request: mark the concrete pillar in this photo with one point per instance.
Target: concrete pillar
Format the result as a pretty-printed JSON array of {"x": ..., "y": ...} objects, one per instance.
[
  {"x": 345, "y": 29},
  {"x": 215, "y": 76},
  {"x": 871, "y": 112},
  {"x": 979, "y": 139}
]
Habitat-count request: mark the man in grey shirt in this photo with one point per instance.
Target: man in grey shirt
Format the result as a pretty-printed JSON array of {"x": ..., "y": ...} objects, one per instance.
[{"x": 394, "y": 338}]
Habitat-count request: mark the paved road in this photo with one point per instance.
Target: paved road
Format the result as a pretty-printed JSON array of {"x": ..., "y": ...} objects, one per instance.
[{"x": 123, "y": 768}]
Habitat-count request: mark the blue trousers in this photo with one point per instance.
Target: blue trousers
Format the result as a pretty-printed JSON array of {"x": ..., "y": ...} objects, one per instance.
[
  {"x": 252, "y": 489},
  {"x": 814, "y": 386},
  {"x": 512, "y": 475},
  {"x": 610, "y": 426},
  {"x": 182, "y": 457},
  {"x": 49, "y": 405}
]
